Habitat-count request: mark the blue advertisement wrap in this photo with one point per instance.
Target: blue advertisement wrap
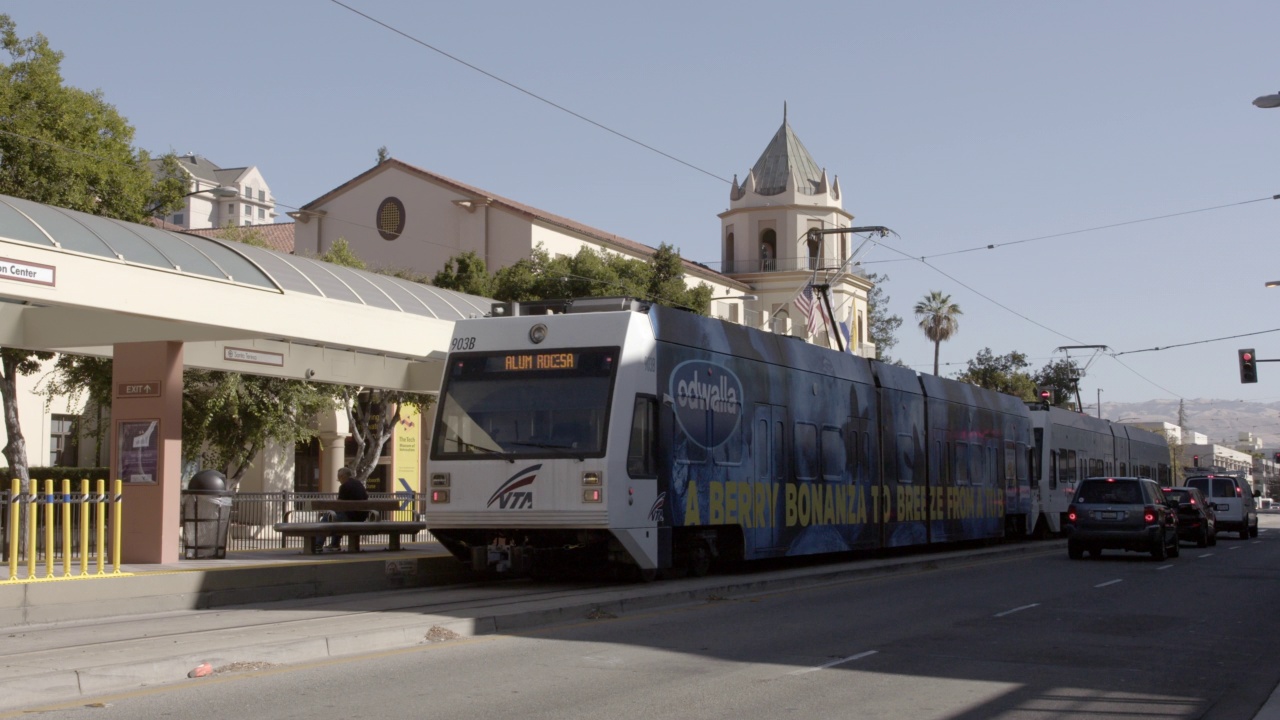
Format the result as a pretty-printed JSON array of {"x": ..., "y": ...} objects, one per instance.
[{"x": 810, "y": 451}]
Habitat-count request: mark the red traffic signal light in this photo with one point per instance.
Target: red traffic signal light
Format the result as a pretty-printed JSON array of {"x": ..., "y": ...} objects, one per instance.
[
  {"x": 1248, "y": 365},
  {"x": 1195, "y": 461}
]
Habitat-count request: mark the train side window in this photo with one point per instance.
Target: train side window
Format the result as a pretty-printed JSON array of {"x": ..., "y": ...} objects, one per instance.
[
  {"x": 642, "y": 458},
  {"x": 833, "y": 454},
  {"x": 762, "y": 453},
  {"x": 779, "y": 452},
  {"x": 1124, "y": 470},
  {"x": 1023, "y": 455},
  {"x": 1053, "y": 469},
  {"x": 806, "y": 450},
  {"x": 962, "y": 464},
  {"x": 906, "y": 447},
  {"x": 730, "y": 452}
]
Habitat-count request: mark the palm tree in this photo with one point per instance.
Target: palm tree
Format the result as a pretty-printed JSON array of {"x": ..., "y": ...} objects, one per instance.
[{"x": 938, "y": 320}]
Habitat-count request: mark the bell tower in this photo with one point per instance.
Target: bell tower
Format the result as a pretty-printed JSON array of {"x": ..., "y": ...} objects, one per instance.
[{"x": 765, "y": 242}]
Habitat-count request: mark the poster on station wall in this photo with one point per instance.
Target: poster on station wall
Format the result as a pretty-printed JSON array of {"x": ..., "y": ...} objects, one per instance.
[
  {"x": 408, "y": 455},
  {"x": 138, "y": 452}
]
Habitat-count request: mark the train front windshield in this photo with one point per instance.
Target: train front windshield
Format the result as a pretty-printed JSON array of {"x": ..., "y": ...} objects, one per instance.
[{"x": 552, "y": 403}]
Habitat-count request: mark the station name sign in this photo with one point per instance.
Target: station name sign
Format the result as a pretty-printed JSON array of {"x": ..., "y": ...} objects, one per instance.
[
  {"x": 30, "y": 272},
  {"x": 257, "y": 357}
]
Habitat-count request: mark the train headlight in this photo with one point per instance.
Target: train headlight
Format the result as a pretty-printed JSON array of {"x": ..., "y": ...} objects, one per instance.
[
  {"x": 537, "y": 333},
  {"x": 439, "y": 497},
  {"x": 592, "y": 477},
  {"x": 592, "y": 494},
  {"x": 440, "y": 480}
]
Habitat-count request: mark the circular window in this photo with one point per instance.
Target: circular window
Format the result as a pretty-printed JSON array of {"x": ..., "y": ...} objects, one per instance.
[{"x": 390, "y": 220}]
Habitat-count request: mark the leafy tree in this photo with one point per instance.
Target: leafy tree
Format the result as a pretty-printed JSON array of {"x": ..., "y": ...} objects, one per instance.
[
  {"x": 383, "y": 155},
  {"x": 465, "y": 273},
  {"x": 228, "y": 418},
  {"x": 881, "y": 326},
  {"x": 1062, "y": 379},
  {"x": 246, "y": 234},
  {"x": 594, "y": 272},
  {"x": 938, "y": 319},
  {"x": 340, "y": 253},
  {"x": 1004, "y": 373},
  {"x": 66, "y": 147}
]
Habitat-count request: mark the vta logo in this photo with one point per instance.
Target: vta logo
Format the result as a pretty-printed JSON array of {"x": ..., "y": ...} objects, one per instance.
[
  {"x": 510, "y": 496},
  {"x": 655, "y": 510}
]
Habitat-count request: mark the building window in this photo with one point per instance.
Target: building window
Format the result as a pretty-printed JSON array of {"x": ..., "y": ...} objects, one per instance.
[
  {"x": 248, "y": 193},
  {"x": 231, "y": 208},
  {"x": 262, "y": 196},
  {"x": 728, "y": 253},
  {"x": 177, "y": 218},
  {"x": 62, "y": 441},
  {"x": 262, "y": 213},
  {"x": 248, "y": 211},
  {"x": 390, "y": 218}
]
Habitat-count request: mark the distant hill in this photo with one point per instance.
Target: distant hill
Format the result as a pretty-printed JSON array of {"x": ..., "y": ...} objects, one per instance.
[{"x": 1221, "y": 420}]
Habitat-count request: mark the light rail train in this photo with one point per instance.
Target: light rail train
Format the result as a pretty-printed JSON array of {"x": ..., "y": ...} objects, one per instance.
[{"x": 612, "y": 433}]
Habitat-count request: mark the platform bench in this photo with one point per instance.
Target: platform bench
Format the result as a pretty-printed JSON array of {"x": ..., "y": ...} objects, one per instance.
[{"x": 313, "y": 531}]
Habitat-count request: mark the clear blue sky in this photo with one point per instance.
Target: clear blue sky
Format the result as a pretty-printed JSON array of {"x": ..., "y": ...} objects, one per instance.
[{"x": 959, "y": 125}]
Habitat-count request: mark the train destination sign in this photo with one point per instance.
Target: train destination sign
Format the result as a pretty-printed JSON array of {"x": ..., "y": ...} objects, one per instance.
[{"x": 539, "y": 361}]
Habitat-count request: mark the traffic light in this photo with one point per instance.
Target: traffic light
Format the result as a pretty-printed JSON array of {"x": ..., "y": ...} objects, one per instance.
[
  {"x": 1195, "y": 461},
  {"x": 1248, "y": 365}
]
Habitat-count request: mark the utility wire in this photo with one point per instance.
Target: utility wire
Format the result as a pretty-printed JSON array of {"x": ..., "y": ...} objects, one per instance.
[
  {"x": 1085, "y": 230},
  {"x": 530, "y": 93}
]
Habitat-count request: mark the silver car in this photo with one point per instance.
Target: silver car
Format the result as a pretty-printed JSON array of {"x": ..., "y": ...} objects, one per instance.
[{"x": 1121, "y": 513}]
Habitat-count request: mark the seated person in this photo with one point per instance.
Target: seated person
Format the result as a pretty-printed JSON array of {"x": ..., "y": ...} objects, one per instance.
[{"x": 348, "y": 489}]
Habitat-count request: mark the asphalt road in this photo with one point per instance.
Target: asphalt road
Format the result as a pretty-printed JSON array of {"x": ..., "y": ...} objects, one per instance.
[{"x": 1026, "y": 636}]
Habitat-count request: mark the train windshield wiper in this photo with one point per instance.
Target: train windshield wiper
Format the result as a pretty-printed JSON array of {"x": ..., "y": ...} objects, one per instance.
[
  {"x": 472, "y": 447},
  {"x": 547, "y": 446}
]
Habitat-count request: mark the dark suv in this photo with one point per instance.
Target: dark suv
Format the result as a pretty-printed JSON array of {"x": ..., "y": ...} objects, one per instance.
[
  {"x": 1121, "y": 513},
  {"x": 1197, "y": 521}
]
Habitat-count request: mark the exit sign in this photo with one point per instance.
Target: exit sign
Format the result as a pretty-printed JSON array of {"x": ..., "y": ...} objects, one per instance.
[{"x": 136, "y": 390}]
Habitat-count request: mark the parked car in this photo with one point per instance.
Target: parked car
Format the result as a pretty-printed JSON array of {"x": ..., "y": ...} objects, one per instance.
[
  {"x": 1121, "y": 513},
  {"x": 1197, "y": 521},
  {"x": 1234, "y": 502}
]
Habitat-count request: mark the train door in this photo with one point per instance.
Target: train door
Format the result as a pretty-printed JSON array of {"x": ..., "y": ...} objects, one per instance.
[{"x": 768, "y": 475}]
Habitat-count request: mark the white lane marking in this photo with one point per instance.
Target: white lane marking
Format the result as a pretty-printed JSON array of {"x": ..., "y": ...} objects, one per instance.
[
  {"x": 1235, "y": 547},
  {"x": 1109, "y": 582},
  {"x": 1017, "y": 609},
  {"x": 1164, "y": 567},
  {"x": 1205, "y": 555},
  {"x": 833, "y": 663}
]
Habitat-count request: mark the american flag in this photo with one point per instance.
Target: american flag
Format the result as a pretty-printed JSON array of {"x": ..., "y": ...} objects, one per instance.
[{"x": 811, "y": 307}]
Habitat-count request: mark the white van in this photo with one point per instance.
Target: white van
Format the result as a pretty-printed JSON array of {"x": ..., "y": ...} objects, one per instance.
[{"x": 1235, "y": 504}]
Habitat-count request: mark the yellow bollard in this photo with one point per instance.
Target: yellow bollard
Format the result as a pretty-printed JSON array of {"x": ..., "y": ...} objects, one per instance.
[
  {"x": 32, "y": 516},
  {"x": 66, "y": 527},
  {"x": 117, "y": 511},
  {"x": 48, "y": 527},
  {"x": 101, "y": 501},
  {"x": 84, "y": 526}
]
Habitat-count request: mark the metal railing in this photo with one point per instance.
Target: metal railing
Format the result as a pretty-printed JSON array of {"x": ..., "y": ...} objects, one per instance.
[{"x": 253, "y": 516}]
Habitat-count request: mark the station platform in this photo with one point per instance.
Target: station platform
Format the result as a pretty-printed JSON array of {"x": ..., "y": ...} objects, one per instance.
[{"x": 250, "y": 576}]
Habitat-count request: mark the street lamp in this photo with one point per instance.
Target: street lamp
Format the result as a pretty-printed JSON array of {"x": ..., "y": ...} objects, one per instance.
[
  {"x": 222, "y": 191},
  {"x": 1267, "y": 101},
  {"x": 1273, "y": 283}
]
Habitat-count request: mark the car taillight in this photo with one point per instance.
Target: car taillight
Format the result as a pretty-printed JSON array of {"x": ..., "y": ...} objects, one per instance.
[
  {"x": 1071, "y": 514},
  {"x": 1238, "y": 491},
  {"x": 1148, "y": 514}
]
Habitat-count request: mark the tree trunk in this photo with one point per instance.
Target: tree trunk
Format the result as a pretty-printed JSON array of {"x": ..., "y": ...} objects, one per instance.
[
  {"x": 15, "y": 450},
  {"x": 937, "y": 345}
]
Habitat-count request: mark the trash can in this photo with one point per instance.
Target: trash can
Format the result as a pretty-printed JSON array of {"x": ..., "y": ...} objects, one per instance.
[{"x": 206, "y": 516}]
